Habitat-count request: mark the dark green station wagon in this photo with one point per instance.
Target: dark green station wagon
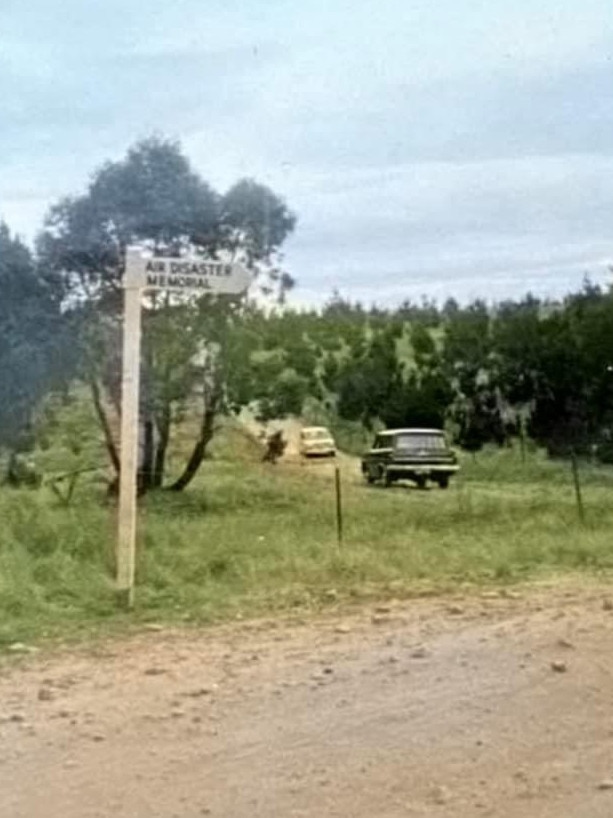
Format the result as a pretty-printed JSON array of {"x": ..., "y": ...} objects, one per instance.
[{"x": 410, "y": 454}]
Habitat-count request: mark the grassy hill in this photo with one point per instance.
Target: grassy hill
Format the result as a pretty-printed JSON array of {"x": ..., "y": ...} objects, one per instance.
[{"x": 249, "y": 539}]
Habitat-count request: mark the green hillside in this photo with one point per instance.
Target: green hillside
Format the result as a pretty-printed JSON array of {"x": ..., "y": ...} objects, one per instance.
[{"x": 248, "y": 539}]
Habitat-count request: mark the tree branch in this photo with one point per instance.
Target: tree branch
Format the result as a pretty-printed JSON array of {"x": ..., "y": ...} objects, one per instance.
[
  {"x": 212, "y": 400},
  {"x": 105, "y": 424}
]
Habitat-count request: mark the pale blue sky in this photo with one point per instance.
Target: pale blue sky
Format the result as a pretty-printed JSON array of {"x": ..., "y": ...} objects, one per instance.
[{"x": 460, "y": 148}]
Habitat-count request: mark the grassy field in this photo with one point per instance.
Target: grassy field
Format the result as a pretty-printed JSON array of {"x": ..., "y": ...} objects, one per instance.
[{"x": 248, "y": 539}]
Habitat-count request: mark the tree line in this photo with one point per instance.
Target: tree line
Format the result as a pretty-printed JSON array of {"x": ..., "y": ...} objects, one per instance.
[{"x": 526, "y": 369}]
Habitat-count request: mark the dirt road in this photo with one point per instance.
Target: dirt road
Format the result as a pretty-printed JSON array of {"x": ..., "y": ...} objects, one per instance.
[{"x": 426, "y": 708}]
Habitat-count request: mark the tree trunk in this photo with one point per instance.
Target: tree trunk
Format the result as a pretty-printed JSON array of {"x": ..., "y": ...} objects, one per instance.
[
  {"x": 163, "y": 423},
  {"x": 522, "y": 445},
  {"x": 577, "y": 485},
  {"x": 207, "y": 429},
  {"x": 11, "y": 470},
  {"x": 146, "y": 467},
  {"x": 105, "y": 424},
  {"x": 145, "y": 474}
]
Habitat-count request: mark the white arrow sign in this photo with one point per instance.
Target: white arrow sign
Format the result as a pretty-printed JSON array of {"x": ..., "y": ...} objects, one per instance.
[{"x": 185, "y": 274}]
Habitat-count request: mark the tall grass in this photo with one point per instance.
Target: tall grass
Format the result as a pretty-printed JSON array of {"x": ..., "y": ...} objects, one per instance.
[{"x": 248, "y": 539}]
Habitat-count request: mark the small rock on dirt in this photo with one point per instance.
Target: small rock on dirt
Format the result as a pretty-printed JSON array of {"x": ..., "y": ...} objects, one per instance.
[
  {"x": 607, "y": 604},
  {"x": 559, "y": 667},
  {"x": 316, "y": 677},
  {"x": 200, "y": 691},
  {"x": 380, "y": 619},
  {"x": 564, "y": 643},
  {"x": 45, "y": 695},
  {"x": 440, "y": 795},
  {"x": 342, "y": 629},
  {"x": 155, "y": 671},
  {"x": 505, "y": 593},
  {"x": 607, "y": 784},
  {"x": 419, "y": 653},
  {"x": 154, "y": 627}
]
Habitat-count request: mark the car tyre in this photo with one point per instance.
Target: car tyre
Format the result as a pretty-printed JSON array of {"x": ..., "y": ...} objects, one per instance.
[{"x": 443, "y": 481}]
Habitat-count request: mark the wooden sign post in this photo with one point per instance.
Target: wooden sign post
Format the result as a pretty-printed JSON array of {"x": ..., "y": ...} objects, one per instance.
[
  {"x": 191, "y": 274},
  {"x": 130, "y": 389}
]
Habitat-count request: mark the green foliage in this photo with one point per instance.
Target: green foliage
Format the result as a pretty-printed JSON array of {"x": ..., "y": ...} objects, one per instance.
[
  {"x": 284, "y": 396},
  {"x": 374, "y": 383},
  {"x": 476, "y": 410},
  {"x": 253, "y": 539},
  {"x": 254, "y": 219},
  {"x": 487, "y": 373},
  {"x": 490, "y": 374},
  {"x": 557, "y": 364},
  {"x": 68, "y": 437},
  {"x": 153, "y": 198},
  {"x": 369, "y": 379},
  {"x": 35, "y": 353},
  {"x": 420, "y": 401}
]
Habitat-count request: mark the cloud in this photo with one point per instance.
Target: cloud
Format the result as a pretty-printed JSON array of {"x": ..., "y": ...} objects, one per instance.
[
  {"x": 478, "y": 227},
  {"x": 449, "y": 146}
]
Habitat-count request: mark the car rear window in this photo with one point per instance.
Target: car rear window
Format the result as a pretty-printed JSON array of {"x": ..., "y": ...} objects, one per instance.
[
  {"x": 316, "y": 434},
  {"x": 419, "y": 442}
]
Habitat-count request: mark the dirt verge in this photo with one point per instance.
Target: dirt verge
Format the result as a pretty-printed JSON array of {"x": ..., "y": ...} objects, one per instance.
[{"x": 496, "y": 706}]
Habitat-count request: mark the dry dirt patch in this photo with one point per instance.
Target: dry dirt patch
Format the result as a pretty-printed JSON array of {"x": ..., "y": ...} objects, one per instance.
[{"x": 494, "y": 705}]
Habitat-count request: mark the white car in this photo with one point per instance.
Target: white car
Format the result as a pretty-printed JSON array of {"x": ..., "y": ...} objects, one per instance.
[{"x": 317, "y": 441}]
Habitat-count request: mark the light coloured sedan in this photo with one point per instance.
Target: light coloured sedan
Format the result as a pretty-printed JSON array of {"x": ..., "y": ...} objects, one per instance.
[{"x": 317, "y": 441}]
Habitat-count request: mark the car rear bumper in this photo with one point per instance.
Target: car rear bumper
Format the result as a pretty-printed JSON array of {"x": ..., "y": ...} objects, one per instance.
[{"x": 406, "y": 468}]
